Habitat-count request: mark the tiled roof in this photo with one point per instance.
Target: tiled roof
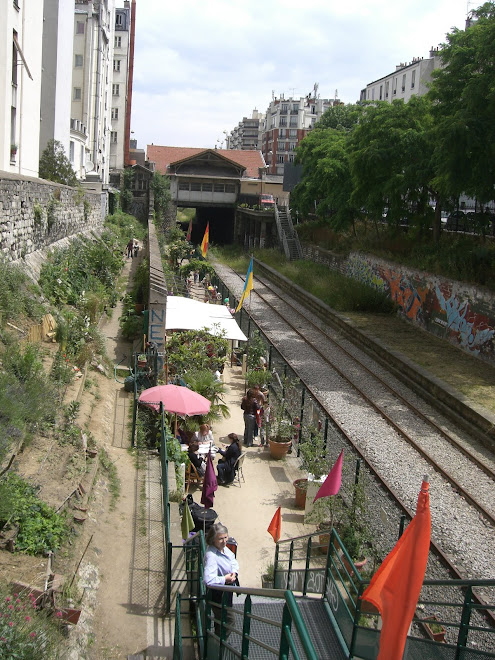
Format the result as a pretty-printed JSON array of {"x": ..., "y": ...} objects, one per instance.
[{"x": 163, "y": 156}]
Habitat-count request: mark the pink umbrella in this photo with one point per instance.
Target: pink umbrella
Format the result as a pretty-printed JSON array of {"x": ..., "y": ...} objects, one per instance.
[{"x": 176, "y": 399}]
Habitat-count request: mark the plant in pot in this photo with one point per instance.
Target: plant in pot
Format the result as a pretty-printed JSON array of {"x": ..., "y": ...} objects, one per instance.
[
  {"x": 279, "y": 429},
  {"x": 314, "y": 462},
  {"x": 268, "y": 576}
]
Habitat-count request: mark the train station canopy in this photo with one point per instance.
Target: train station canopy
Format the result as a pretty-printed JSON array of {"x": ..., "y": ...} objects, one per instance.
[{"x": 187, "y": 314}]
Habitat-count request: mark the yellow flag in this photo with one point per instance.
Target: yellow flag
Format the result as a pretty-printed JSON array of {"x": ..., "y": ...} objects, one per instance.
[
  {"x": 204, "y": 244},
  {"x": 248, "y": 285}
]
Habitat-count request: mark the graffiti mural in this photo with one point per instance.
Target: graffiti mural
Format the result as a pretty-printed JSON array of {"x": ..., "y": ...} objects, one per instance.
[{"x": 442, "y": 307}]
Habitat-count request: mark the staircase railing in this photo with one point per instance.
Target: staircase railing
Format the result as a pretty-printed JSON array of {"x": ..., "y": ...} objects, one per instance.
[
  {"x": 301, "y": 567},
  {"x": 287, "y": 235}
]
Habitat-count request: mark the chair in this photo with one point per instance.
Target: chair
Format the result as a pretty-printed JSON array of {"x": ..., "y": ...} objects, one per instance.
[
  {"x": 238, "y": 473},
  {"x": 192, "y": 477}
]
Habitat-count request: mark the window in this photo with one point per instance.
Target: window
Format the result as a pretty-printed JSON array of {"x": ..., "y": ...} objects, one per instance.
[
  {"x": 77, "y": 94},
  {"x": 281, "y": 146},
  {"x": 229, "y": 188},
  {"x": 381, "y": 92},
  {"x": 79, "y": 27},
  {"x": 16, "y": 5},
  {"x": 291, "y": 158},
  {"x": 292, "y": 133},
  {"x": 283, "y": 121},
  {"x": 113, "y": 137},
  {"x": 116, "y": 65},
  {"x": 292, "y": 146},
  {"x": 281, "y": 133},
  {"x": 293, "y": 121},
  {"x": 280, "y": 158},
  {"x": 386, "y": 88},
  {"x": 207, "y": 187},
  {"x": 295, "y": 108},
  {"x": 413, "y": 79},
  {"x": 373, "y": 94},
  {"x": 219, "y": 187},
  {"x": 404, "y": 82},
  {"x": 116, "y": 89},
  {"x": 183, "y": 186},
  {"x": 119, "y": 19},
  {"x": 117, "y": 42},
  {"x": 71, "y": 151},
  {"x": 284, "y": 108},
  {"x": 395, "y": 85},
  {"x": 195, "y": 187},
  {"x": 78, "y": 60},
  {"x": 115, "y": 113}
]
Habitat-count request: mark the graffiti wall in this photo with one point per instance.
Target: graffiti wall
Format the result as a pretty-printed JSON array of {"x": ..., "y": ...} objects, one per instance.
[{"x": 460, "y": 313}]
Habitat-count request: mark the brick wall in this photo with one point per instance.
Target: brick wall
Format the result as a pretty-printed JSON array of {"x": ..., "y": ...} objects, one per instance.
[
  {"x": 35, "y": 213},
  {"x": 461, "y": 313}
]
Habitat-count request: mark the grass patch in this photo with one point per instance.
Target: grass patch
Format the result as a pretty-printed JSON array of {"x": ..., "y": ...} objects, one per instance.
[{"x": 111, "y": 471}]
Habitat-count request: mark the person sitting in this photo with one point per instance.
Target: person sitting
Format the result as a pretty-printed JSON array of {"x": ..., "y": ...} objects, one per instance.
[
  {"x": 204, "y": 435},
  {"x": 196, "y": 460},
  {"x": 225, "y": 467}
]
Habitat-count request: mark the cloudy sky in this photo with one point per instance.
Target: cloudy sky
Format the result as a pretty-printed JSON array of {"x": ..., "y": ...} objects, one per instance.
[{"x": 202, "y": 65}]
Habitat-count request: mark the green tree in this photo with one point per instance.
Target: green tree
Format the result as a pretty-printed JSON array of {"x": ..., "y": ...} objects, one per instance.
[
  {"x": 126, "y": 195},
  {"x": 341, "y": 117},
  {"x": 463, "y": 92},
  {"x": 160, "y": 186},
  {"x": 55, "y": 166}
]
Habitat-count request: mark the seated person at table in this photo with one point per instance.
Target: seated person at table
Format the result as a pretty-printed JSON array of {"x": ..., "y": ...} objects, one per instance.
[
  {"x": 225, "y": 467},
  {"x": 204, "y": 434},
  {"x": 196, "y": 460}
]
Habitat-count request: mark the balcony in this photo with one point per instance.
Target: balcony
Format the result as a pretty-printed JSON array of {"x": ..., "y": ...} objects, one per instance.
[{"x": 78, "y": 126}]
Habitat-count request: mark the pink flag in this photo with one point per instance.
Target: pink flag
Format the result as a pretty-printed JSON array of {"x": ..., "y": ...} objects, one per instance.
[
  {"x": 331, "y": 485},
  {"x": 209, "y": 484}
]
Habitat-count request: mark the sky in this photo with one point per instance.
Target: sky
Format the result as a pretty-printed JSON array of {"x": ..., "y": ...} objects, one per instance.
[{"x": 200, "y": 66}]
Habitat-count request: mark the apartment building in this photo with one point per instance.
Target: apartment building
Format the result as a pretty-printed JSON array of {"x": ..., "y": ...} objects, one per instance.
[
  {"x": 408, "y": 79},
  {"x": 286, "y": 123},
  {"x": 20, "y": 86},
  {"x": 56, "y": 85},
  {"x": 247, "y": 134}
]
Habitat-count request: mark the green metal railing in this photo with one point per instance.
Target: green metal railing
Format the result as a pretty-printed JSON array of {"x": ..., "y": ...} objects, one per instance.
[{"x": 320, "y": 564}]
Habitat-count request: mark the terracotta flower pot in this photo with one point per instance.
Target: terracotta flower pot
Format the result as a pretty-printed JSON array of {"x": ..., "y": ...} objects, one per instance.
[
  {"x": 279, "y": 449},
  {"x": 301, "y": 489},
  {"x": 428, "y": 623}
]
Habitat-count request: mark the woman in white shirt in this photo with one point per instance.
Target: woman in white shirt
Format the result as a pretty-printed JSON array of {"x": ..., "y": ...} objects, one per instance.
[
  {"x": 221, "y": 568},
  {"x": 204, "y": 435}
]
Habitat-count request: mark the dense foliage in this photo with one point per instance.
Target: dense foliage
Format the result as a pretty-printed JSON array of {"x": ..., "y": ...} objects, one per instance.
[
  {"x": 406, "y": 162},
  {"x": 40, "y": 528}
]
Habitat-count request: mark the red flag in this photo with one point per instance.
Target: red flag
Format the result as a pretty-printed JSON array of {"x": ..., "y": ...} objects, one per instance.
[
  {"x": 204, "y": 243},
  {"x": 275, "y": 527},
  {"x": 189, "y": 231},
  {"x": 209, "y": 484},
  {"x": 331, "y": 485},
  {"x": 394, "y": 589}
]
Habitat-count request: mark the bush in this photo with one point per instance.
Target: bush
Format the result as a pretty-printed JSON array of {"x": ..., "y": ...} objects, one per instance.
[
  {"x": 40, "y": 528},
  {"x": 26, "y": 633}
]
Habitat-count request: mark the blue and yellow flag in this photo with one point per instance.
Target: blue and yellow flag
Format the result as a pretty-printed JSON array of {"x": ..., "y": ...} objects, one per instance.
[{"x": 248, "y": 285}]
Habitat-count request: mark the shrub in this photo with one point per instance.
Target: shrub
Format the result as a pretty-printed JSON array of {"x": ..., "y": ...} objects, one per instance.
[
  {"x": 26, "y": 633},
  {"x": 40, "y": 528}
]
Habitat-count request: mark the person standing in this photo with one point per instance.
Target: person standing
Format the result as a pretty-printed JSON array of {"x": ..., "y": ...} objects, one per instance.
[
  {"x": 221, "y": 568},
  {"x": 250, "y": 405},
  {"x": 130, "y": 248}
]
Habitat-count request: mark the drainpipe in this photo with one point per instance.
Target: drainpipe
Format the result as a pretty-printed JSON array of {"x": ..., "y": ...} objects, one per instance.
[{"x": 97, "y": 93}]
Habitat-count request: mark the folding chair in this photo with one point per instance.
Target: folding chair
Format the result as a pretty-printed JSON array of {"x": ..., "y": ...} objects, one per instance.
[
  {"x": 238, "y": 473},
  {"x": 192, "y": 477}
]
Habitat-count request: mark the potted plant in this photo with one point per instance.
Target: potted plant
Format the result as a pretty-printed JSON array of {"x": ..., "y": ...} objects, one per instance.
[
  {"x": 314, "y": 462},
  {"x": 268, "y": 576},
  {"x": 141, "y": 360},
  {"x": 434, "y": 630},
  {"x": 280, "y": 432}
]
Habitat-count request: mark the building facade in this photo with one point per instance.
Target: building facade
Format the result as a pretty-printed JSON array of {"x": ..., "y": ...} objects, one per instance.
[
  {"x": 120, "y": 86},
  {"x": 408, "y": 79},
  {"x": 20, "y": 86},
  {"x": 286, "y": 123},
  {"x": 247, "y": 134}
]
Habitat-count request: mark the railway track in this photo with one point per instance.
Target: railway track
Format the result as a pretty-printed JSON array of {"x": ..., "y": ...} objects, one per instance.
[{"x": 408, "y": 420}]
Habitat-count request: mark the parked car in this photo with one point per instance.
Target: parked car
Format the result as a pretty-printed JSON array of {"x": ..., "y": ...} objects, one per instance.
[
  {"x": 267, "y": 201},
  {"x": 456, "y": 221}
]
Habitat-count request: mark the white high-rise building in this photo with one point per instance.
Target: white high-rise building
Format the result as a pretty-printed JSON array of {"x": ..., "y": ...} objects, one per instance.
[{"x": 20, "y": 85}]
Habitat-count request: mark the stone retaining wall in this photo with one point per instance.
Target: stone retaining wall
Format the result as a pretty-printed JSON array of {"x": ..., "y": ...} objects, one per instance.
[
  {"x": 34, "y": 214},
  {"x": 461, "y": 313}
]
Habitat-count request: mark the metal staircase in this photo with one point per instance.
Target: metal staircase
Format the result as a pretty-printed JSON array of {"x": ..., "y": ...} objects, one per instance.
[{"x": 287, "y": 235}]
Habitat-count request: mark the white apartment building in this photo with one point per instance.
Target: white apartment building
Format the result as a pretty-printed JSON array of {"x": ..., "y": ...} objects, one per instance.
[
  {"x": 56, "y": 87},
  {"x": 91, "y": 96},
  {"x": 20, "y": 86},
  {"x": 286, "y": 123},
  {"x": 408, "y": 79},
  {"x": 121, "y": 57},
  {"x": 247, "y": 134}
]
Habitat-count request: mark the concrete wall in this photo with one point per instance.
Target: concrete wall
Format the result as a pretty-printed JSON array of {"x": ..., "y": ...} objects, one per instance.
[
  {"x": 461, "y": 313},
  {"x": 34, "y": 214}
]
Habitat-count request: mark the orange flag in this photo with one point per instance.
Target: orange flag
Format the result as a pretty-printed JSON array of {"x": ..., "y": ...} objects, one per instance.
[
  {"x": 394, "y": 589},
  {"x": 206, "y": 238},
  {"x": 275, "y": 527}
]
